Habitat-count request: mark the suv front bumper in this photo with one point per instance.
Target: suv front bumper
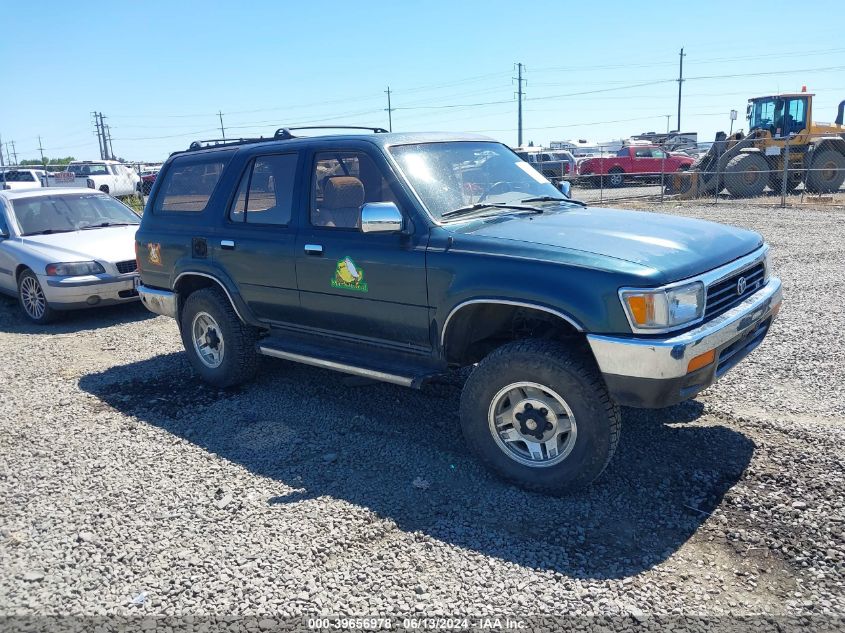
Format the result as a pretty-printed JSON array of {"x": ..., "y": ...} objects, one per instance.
[{"x": 652, "y": 372}]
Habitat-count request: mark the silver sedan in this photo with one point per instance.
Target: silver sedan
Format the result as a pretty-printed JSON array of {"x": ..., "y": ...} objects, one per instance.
[{"x": 65, "y": 249}]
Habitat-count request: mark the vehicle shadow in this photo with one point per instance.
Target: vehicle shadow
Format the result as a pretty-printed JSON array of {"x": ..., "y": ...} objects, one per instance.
[
  {"x": 12, "y": 319},
  {"x": 399, "y": 453}
]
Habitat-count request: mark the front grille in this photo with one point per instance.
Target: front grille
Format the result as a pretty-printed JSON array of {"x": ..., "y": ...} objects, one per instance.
[
  {"x": 722, "y": 296},
  {"x": 128, "y": 266}
]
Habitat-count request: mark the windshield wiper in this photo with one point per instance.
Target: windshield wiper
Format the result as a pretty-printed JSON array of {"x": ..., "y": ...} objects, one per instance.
[
  {"x": 105, "y": 224},
  {"x": 553, "y": 199},
  {"x": 48, "y": 232},
  {"x": 478, "y": 206}
]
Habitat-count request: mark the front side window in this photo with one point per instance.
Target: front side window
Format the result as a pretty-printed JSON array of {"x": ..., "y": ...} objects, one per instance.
[
  {"x": 342, "y": 183},
  {"x": 452, "y": 175},
  {"x": 70, "y": 212},
  {"x": 265, "y": 194},
  {"x": 189, "y": 183},
  {"x": 644, "y": 152}
]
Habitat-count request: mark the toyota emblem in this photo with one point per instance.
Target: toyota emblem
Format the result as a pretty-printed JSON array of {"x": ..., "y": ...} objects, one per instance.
[{"x": 740, "y": 286}]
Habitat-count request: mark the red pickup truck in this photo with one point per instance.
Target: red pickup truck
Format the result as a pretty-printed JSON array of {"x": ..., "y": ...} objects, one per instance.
[{"x": 632, "y": 162}]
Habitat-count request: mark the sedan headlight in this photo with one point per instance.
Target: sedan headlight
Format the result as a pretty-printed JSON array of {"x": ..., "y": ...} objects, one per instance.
[
  {"x": 74, "y": 269},
  {"x": 663, "y": 308}
]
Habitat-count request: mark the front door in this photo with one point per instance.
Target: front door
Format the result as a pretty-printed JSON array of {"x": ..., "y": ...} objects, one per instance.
[
  {"x": 256, "y": 244},
  {"x": 367, "y": 286}
]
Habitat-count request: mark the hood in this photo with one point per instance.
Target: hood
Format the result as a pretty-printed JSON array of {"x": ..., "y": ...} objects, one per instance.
[
  {"x": 674, "y": 247},
  {"x": 108, "y": 244}
]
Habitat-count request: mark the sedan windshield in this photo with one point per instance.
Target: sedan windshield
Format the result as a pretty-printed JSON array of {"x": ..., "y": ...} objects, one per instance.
[
  {"x": 480, "y": 176},
  {"x": 70, "y": 212}
]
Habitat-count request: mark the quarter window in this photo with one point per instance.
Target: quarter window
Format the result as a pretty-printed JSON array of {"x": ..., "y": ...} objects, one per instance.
[
  {"x": 189, "y": 183},
  {"x": 265, "y": 194}
]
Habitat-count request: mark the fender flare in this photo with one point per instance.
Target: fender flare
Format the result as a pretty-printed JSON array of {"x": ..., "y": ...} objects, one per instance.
[
  {"x": 229, "y": 289},
  {"x": 522, "y": 304}
]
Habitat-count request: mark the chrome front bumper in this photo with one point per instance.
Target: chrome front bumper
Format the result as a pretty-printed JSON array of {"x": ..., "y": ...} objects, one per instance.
[
  {"x": 657, "y": 367},
  {"x": 163, "y": 302}
]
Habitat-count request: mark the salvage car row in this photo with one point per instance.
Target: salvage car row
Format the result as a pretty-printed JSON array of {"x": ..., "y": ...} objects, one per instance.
[{"x": 398, "y": 257}]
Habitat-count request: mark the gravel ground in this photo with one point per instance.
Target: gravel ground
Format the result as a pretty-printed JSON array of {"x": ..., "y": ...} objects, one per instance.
[{"x": 129, "y": 487}]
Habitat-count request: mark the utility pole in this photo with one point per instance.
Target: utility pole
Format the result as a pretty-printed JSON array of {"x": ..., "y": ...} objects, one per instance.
[
  {"x": 99, "y": 135},
  {"x": 389, "y": 111},
  {"x": 519, "y": 93},
  {"x": 46, "y": 182},
  {"x": 107, "y": 133},
  {"x": 14, "y": 153},
  {"x": 680, "y": 84},
  {"x": 2, "y": 162},
  {"x": 222, "y": 129}
]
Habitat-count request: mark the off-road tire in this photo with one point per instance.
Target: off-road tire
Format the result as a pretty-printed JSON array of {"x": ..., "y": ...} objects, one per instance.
[
  {"x": 615, "y": 177},
  {"x": 573, "y": 375},
  {"x": 747, "y": 175},
  {"x": 827, "y": 172},
  {"x": 104, "y": 188},
  {"x": 240, "y": 357},
  {"x": 30, "y": 279}
]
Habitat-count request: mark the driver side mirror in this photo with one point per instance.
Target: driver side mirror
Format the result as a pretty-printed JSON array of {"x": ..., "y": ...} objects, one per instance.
[
  {"x": 565, "y": 188},
  {"x": 380, "y": 217}
]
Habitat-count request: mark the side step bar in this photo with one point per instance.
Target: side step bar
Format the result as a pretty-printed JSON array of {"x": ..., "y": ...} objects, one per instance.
[{"x": 404, "y": 381}]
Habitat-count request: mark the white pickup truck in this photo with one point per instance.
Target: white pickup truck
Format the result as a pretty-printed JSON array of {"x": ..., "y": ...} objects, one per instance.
[{"x": 108, "y": 176}]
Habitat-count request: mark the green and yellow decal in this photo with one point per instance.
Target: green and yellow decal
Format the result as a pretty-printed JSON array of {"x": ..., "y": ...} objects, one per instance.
[{"x": 349, "y": 276}]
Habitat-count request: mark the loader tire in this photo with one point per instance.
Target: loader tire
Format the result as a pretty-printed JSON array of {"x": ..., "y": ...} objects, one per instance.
[
  {"x": 827, "y": 172},
  {"x": 747, "y": 175}
]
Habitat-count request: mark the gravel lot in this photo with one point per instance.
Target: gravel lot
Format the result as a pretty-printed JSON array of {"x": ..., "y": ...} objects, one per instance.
[{"x": 128, "y": 487}]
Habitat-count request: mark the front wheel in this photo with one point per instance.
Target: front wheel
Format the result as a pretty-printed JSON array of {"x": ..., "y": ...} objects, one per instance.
[
  {"x": 32, "y": 300},
  {"x": 538, "y": 414},
  {"x": 219, "y": 345}
]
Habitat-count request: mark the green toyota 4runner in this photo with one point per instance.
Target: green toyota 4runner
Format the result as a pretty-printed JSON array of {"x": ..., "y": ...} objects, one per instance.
[{"x": 399, "y": 256}]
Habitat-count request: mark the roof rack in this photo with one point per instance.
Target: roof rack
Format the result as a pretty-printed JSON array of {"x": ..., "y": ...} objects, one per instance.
[{"x": 284, "y": 133}]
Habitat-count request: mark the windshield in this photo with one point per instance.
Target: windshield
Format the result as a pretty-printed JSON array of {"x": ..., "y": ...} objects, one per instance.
[
  {"x": 449, "y": 176},
  {"x": 69, "y": 212},
  {"x": 97, "y": 169}
]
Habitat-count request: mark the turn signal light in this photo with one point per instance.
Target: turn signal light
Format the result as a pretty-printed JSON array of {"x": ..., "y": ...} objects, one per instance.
[{"x": 702, "y": 360}]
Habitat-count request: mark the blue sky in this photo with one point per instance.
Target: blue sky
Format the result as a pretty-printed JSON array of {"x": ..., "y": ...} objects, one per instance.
[{"x": 160, "y": 71}]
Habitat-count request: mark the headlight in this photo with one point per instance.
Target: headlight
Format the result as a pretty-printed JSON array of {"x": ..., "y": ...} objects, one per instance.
[
  {"x": 74, "y": 269},
  {"x": 767, "y": 268},
  {"x": 663, "y": 308}
]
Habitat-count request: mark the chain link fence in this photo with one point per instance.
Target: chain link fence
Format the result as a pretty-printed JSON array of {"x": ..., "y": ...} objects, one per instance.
[{"x": 757, "y": 168}]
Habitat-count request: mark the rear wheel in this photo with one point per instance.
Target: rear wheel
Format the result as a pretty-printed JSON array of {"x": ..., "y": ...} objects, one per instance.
[
  {"x": 32, "y": 300},
  {"x": 827, "y": 172},
  {"x": 220, "y": 347},
  {"x": 538, "y": 414},
  {"x": 104, "y": 188},
  {"x": 747, "y": 175},
  {"x": 615, "y": 177}
]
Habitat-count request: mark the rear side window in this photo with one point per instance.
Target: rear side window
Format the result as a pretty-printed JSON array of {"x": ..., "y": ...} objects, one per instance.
[
  {"x": 189, "y": 183},
  {"x": 265, "y": 194}
]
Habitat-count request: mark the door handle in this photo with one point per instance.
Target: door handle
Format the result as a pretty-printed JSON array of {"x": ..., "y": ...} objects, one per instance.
[
  {"x": 229, "y": 245},
  {"x": 313, "y": 249}
]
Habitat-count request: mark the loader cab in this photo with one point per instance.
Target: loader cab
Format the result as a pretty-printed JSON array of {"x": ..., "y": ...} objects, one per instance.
[{"x": 780, "y": 115}]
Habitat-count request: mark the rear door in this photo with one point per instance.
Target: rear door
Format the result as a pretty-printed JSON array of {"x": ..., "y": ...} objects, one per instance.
[
  {"x": 369, "y": 286},
  {"x": 256, "y": 244}
]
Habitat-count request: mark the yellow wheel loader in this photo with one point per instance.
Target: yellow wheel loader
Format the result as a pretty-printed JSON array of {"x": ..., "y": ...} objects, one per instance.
[{"x": 746, "y": 164}]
